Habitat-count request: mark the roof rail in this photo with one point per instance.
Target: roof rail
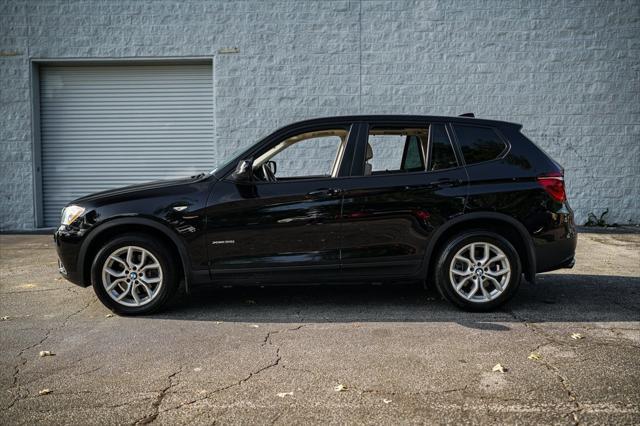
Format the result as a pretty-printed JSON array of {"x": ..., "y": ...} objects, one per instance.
[{"x": 467, "y": 114}]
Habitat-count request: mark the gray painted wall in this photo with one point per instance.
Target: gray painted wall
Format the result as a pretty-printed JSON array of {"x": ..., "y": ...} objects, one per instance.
[{"x": 567, "y": 70}]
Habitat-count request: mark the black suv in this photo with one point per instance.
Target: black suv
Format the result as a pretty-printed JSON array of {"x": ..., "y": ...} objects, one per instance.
[{"x": 468, "y": 204}]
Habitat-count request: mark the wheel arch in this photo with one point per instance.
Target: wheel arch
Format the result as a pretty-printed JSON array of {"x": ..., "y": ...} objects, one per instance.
[
  {"x": 120, "y": 226},
  {"x": 504, "y": 225}
]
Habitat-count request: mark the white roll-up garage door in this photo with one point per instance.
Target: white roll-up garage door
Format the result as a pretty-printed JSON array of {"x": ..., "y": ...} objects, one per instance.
[{"x": 109, "y": 125}]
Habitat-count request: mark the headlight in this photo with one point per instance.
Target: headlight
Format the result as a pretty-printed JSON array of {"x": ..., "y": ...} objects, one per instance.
[{"x": 70, "y": 214}]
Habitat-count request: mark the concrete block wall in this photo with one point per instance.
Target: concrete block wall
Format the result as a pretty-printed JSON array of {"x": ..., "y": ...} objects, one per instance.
[{"x": 567, "y": 70}]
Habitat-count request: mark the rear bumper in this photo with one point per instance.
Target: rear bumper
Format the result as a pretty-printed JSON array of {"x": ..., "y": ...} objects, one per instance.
[
  {"x": 555, "y": 246},
  {"x": 568, "y": 264}
]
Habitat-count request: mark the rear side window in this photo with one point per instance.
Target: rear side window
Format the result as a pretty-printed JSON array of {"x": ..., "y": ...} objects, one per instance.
[
  {"x": 395, "y": 150},
  {"x": 478, "y": 143}
]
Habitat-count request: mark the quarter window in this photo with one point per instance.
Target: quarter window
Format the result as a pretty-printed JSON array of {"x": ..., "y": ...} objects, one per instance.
[{"x": 478, "y": 143}]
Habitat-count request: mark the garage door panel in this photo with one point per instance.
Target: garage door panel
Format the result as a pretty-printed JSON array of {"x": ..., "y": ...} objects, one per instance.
[{"x": 103, "y": 127}]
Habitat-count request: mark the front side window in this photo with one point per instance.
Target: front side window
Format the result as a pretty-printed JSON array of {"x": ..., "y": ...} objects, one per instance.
[
  {"x": 478, "y": 144},
  {"x": 315, "y": 154}
]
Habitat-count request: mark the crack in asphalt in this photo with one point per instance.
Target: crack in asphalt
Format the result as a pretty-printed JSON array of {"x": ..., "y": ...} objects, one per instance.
[
  {"x": 563, "y": 380},
  {"x": 411, "y": 393},
  {"x": 618, "y": 332},
  {"x": 15, "y": 385},
  {"x": 380, "y": 391},
  {"x": 31, "y": 291},
  {"x": 84, "y": 392},
  {"x": 276, "y": 418},
  {"x": 155, "y": 405},
  {"x": 276, "y": 361},
  {"x": 303, "y": 370},
  {"x": 553, "y": 339},
  {"x": 267, "y": 338}
]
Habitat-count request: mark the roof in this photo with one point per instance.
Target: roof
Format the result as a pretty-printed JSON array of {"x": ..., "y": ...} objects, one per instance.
[{"x": 402, "y": 117}]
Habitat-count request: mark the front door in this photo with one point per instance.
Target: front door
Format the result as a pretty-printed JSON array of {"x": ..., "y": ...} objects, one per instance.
[
  {"x": 284, "y": 224},
  {"x": 409, "y": 182}
]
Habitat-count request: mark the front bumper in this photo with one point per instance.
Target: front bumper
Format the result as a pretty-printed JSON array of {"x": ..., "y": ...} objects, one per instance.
[{"x": 68, "y": 243}]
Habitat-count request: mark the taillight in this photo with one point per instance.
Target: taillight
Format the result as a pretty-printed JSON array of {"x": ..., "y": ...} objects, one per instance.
[{"x": 553, "y": 183}]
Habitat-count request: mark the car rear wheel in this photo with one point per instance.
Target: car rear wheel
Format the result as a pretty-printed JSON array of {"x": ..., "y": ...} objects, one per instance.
[
  {"x": 133, "y": 275},
  {"x": 478, "y": 270}
]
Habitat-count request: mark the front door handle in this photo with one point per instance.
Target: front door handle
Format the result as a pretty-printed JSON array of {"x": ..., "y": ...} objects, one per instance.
[
  {"x": 328, "y": 192},
  {"x": 446, "y": 182}
]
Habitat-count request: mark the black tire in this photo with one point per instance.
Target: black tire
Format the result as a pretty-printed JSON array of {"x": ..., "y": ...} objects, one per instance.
[
  {"x": 446, "y": 256},
  {"x": 163, "y": 256}
]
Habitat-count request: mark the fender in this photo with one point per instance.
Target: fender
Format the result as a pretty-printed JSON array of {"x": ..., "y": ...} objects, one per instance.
[
  {"x": 165, "y": 230},
  {"x": 530, "y": 273}
]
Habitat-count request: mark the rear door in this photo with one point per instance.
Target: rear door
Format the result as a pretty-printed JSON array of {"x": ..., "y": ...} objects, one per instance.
[{"x": 406, "y": 181}]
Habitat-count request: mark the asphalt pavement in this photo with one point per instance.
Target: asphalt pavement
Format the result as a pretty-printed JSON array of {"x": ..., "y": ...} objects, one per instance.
[{"x": 569, "y": 346}]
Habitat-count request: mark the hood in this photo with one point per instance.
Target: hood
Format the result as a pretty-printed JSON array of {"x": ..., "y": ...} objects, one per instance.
[{"x": 138, "y": 188}]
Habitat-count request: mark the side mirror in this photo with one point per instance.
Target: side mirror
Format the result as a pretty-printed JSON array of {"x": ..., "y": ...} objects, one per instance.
[
  {"x": 272, "y": 166},
  {"x": 244, "y": 171}
]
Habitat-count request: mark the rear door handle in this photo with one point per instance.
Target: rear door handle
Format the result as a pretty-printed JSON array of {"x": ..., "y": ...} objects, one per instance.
[{"x": 328, "y": 192}]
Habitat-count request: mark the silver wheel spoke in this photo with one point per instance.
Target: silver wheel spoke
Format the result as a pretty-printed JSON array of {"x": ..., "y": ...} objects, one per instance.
[
  {"x": 124, "y": 293},
  {"x": 463, "y": 259},
  {"x": 114, "y": 273},
  {"x": 485, "y": 293},
  {"x": 495, "y": 259},
  {"x": 146, "y": 288},
  {"x": 143, "y": 258},
  {"x": 130, "y": 257},
  {"x": 472, "y": 253},
  {"x": 117, "y": 259},
  {"x": 148, "y": 280},
  {"x": 115, "y": 283},
  {"x": 132, "y": 283},
  {"x": 496, "y": 283},
  {"x": 462, "y": 273},
  {"x": 497, "y": 274},
  {"x": 485, "y": 256},
  {"x": 151, "y": 266},
  {"x": 134, "y": 294},
  {"x": 462, "y": 283},
  {"x": 473, "y": 290}
]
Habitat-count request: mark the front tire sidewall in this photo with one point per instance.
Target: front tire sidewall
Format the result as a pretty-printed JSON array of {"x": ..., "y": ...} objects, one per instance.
[
  {"x": 446, "y": 257},
  {"x": 168, "y": 270}
]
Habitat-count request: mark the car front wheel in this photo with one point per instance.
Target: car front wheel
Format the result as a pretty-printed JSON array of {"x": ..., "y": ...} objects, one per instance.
[
  {"x": 134, "y": 275},
  {"x": 478, "y": 270}
]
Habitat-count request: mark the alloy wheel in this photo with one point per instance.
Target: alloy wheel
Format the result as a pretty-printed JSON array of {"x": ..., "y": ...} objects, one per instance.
[
  {"x": 132, "y": 276},
  {"x": 480, "y": 272}
]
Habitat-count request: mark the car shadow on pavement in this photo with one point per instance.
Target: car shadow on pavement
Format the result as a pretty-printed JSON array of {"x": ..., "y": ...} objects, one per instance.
[{"x": 554, "y": 298}]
